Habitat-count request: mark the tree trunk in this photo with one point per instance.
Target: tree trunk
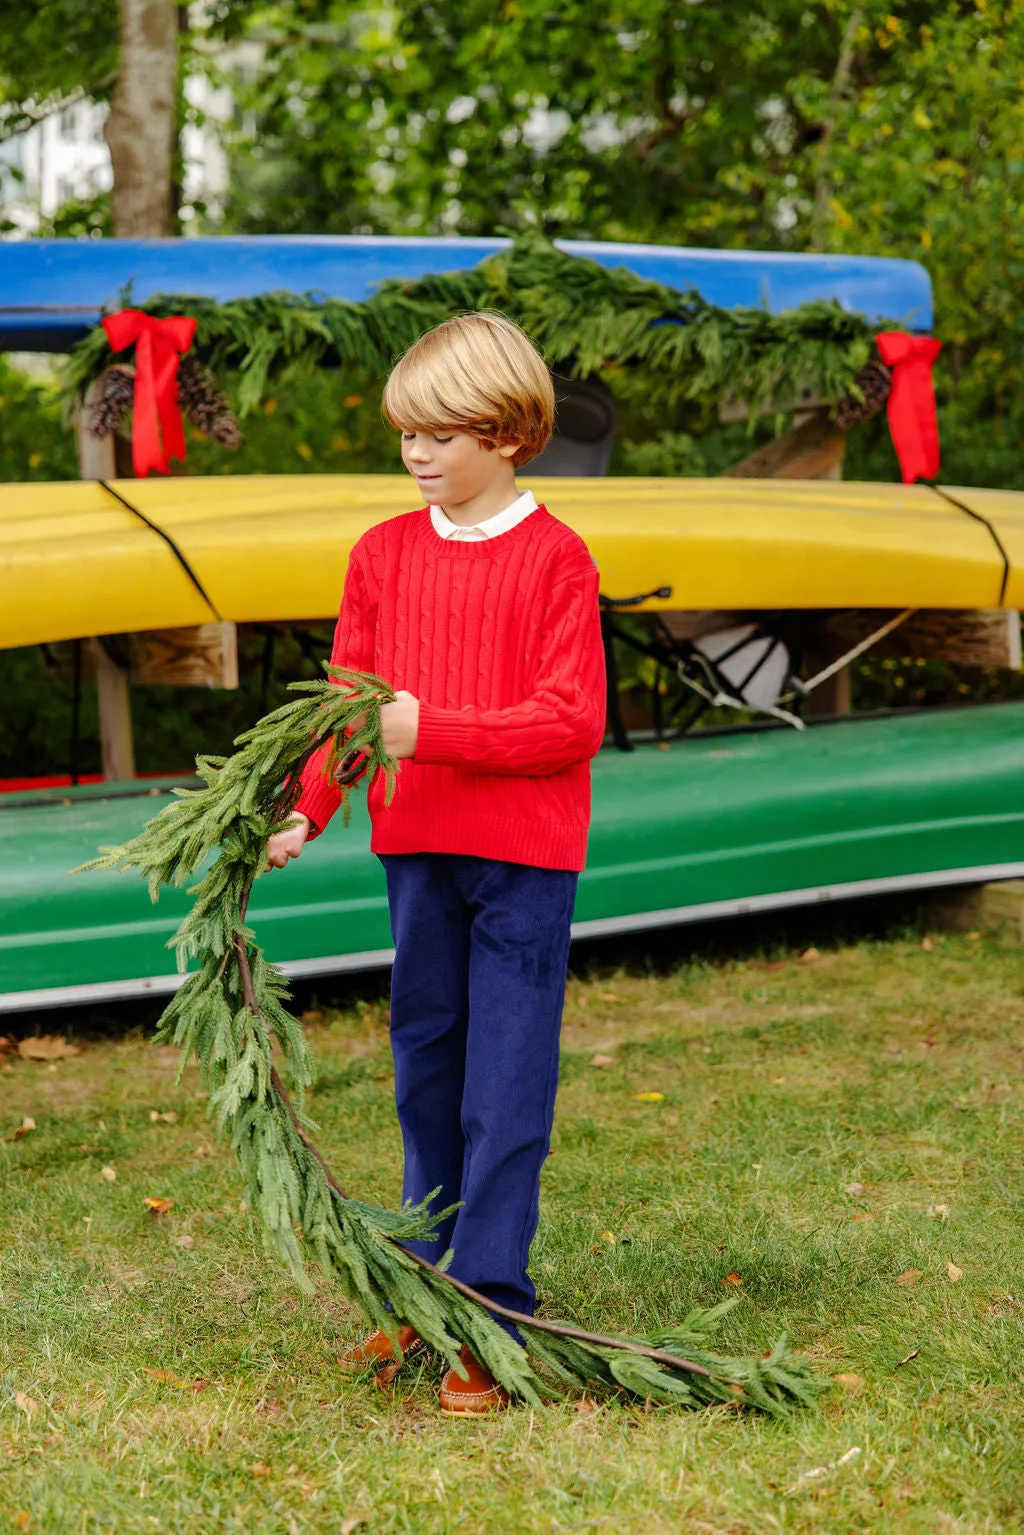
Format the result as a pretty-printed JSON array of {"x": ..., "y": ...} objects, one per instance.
[{"x": 141, "y": 129}]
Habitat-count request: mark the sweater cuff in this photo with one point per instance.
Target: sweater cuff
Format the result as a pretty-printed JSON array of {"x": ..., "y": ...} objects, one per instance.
[
  {"x": 319, "y": 800},
  {"x": 442, "y": 736}
]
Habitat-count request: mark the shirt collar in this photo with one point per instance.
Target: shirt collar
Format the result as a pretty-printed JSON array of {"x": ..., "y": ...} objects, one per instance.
[{"x": 491, "y": 527}]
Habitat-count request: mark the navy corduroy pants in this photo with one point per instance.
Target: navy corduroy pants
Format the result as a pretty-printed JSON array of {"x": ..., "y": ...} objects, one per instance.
[{"x": 481, "y": 954}]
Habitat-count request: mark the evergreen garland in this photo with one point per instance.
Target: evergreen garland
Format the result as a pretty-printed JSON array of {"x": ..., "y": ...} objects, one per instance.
[
  {"x": 231, "y": 1014},
  {"x": 584, "y": 317}
]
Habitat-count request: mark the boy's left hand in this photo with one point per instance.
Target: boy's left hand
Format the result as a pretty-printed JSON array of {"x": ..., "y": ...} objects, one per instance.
[{"x": 399, "y": 724}]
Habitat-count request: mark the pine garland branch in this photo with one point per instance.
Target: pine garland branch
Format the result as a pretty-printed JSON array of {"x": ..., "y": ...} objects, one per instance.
[
  {"x": 655, "y": 340},
  {"x": 255, "y": 1062}
]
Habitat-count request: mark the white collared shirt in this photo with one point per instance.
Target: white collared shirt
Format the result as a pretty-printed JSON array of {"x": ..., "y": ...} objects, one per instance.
[{"x": 491, "y": 527}]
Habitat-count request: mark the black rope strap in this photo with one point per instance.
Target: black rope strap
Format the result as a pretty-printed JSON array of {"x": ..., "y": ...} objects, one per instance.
[
  {"x": 977, "y": 516},
  {"x": 663, "y": 593},
  {"x": 169, "y": 541}
]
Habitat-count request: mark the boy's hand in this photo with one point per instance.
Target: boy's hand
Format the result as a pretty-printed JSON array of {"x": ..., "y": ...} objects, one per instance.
[
  {"x": 399, "y": 725},
  {"x": 288, "y": 843}
]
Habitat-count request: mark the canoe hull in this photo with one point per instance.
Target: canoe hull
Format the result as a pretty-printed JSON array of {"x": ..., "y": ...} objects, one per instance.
[{"x": 729, "y": 823}]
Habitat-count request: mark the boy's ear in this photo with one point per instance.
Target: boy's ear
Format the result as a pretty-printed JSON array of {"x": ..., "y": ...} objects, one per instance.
[{"x": 507, "y": 449}]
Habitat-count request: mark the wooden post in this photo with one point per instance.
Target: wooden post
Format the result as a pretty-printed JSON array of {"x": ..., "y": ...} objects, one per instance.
[
  {"x": 96, "y": 462},
  {"x": 95, "y": 454},
  {"x": 115, "y": 715},
  {"x": 831, "y": 697}
]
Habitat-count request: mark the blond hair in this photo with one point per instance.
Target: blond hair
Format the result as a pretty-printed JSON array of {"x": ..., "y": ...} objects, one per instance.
[{"x": 480, "y": 374}]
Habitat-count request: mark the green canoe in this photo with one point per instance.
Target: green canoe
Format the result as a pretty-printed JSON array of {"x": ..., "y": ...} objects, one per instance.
[{"x": 727, "y": 823}]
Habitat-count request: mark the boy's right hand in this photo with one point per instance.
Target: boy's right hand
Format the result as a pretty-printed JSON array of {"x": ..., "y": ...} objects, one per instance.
[{"x": 288, "y": 843}]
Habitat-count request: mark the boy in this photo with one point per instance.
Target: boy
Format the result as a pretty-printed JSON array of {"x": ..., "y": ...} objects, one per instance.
[{"x": 483, "y": 609}]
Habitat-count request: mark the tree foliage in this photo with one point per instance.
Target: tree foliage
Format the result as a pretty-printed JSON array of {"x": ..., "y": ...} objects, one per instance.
[{"x": 876, "y": 128}]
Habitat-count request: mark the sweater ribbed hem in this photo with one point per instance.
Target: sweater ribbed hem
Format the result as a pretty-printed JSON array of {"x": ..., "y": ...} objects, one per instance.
[{"x": 542, "y": 846}]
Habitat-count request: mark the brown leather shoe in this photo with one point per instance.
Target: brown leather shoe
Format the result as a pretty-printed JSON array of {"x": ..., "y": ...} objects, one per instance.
[
  {"x": 379, "y": 1349},
  {"x": 474, "y": 1397}
]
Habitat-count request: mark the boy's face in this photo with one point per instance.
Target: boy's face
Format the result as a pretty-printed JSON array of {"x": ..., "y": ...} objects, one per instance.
[{"x": 452, "y": 467}]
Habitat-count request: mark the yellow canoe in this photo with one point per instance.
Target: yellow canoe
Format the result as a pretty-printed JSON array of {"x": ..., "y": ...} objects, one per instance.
[{"x": 75, "y": 560}]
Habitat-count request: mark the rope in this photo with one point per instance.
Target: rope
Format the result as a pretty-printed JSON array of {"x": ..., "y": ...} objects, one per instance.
[
  {"x": 977, "y": 516},
  {"x": 172, "y": 546},
  {"x": 609, "y": 604},
  {"x": 858, "y": 650}
]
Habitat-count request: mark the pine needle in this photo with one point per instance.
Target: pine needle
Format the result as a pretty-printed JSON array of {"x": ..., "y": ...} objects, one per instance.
[{"x": 231, "y": 1014}]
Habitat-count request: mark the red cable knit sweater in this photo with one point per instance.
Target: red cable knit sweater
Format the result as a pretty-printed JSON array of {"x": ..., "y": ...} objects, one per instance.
[{"x": 500, "y": 641}]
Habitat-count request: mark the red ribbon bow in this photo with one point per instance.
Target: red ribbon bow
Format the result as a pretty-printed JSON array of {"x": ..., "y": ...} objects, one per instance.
[
  {"x": 911, "y": 405},
  {"x": 158, "y": 345}
]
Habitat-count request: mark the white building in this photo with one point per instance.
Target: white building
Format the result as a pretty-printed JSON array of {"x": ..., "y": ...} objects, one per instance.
[
  {"x": 65, "y": 158},
  {"x": 61, "y": 158}
]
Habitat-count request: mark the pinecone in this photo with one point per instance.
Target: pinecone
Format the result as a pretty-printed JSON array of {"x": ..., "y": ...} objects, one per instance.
[
  {"x": 113, "y": 400},
  {"x": 205, "y": 403},
  {"x": 874, "y": 381}
]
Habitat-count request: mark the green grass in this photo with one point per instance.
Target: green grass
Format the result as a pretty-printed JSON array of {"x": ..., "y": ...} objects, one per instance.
[{"x": 785, "y": 1083}]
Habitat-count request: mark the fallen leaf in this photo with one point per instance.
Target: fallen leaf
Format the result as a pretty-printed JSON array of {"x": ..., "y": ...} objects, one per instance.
[
  {"x": 101, "y": 1126},
  {"x": 910, "y": 1276},
  {"x": 259, "y": 1468},
  {"x": 609, "y": 1237},
  {"x": 607, "y": 996},
  {"x": 856, "y": 1189},
  {"x": 927, "y": 945},
  {"x": 169, "y": 1378},
  {"x": 603, "y": 1060},
  {"x": 972, "y": 936},
  {"x": 170, "y": 1118},
  {"x": 778, "y": 1081},
  {"x": 349, "y": 1526},
  {"x": 908, "y": 1357},
  {"x": 649, "y": 1097},
  {"x": 850, "y": 1382},
  {"x": 109, "y": 1174},
  {"x": 23, "y": 1129},
  {"x": 46, "y": 1047},
  {"x": 809, "y": 956},
  {"x": 158, "y": 1206},
  {"x": 941, "y": 1212},
  {"x": 733, "y": 1280},
  {"x": 955, "y": 1274},
  {"x": 312, "y": 1016},
  {"x": 23, "y": 1519},
  {"x": 201, "y": 1151},
  {"x": 862, "y": 1216},
  {"x": 185, "y": 1241},
  {"x": 27, "y": 1404},
  {"x": 775, "y": 964}
]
